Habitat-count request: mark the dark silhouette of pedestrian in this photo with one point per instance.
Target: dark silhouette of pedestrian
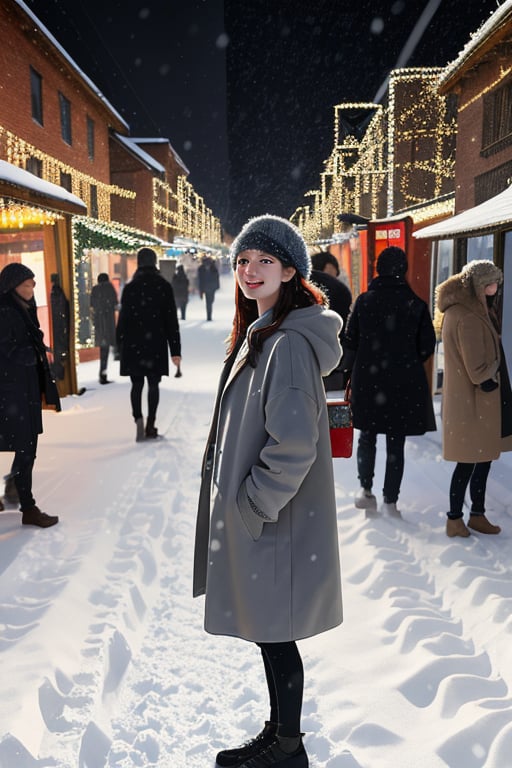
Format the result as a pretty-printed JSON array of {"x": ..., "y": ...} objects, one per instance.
[
  {"x": 25, "y": 382},
  {"x": 180, "y": 286},
  {"x": 388, "y": 338},
  {"x": 208, "y": 283},
  {"x": 146, "y": 329},
  {"x": 103, "y": 306}
]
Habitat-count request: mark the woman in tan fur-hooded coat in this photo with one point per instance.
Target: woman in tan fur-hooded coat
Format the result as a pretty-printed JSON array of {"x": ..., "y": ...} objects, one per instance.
[{"x": 477, "y": 401}]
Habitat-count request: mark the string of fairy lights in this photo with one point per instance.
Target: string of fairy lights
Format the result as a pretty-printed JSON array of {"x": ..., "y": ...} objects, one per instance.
[
  {"x": 184, "y": 212},
  {"x": 375, "y": 175}
]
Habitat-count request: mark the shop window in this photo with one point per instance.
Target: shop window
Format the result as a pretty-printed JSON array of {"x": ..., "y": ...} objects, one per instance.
[
  {"x": 35, "y": 166},
  {"x": 94, "y": 201},
  {"x": 497, "y": 120},
  {"x": 65, "y": 181},
  {"x": 36, "y": 95},
  {"x": 90, "y": 138},
  {"x": 65, "y": 118}
]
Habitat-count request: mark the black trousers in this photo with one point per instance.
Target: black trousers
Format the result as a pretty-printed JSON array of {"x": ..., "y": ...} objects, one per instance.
[
  {"x": 104, "y": 350},
  {"x": 476, "y": 476},
  {"x": 21, "y": 472},
  {"x": 285, "y": 681},
  {"x": 366, "y": 452},
  {"x": 153, "y": 396}
]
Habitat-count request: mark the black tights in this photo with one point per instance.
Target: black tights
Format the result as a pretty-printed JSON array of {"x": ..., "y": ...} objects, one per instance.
[
  {"x": 285, "y": 681},
  {"x": 153, "y": 396},
  {"x": 21, "y": 472},
  {"x": 476, "y": 476}
]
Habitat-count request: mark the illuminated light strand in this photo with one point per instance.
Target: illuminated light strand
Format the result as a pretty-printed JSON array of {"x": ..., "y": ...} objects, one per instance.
[
  {"x": 503, "y": 74},
  {"x": 20, "y": 215},
  {"x": 360, "y": 175}
]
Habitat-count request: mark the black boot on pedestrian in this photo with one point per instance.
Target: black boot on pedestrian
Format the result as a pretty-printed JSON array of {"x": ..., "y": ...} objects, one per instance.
[
  {"x": 34, "y": 516},
  {"x": 151, "y": 430},
  {"x": 103, "y": 379},
  {"x": 284, "y": 752},
  {"x": 232, "y": 758},
  {"x": 10, "y": 491},
  {"x": 139, "y": 434}
]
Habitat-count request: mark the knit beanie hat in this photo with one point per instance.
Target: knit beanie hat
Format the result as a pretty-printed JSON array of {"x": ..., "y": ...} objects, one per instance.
[
  {"x": 480, "y": 273},
  {"x": 392, "y": 262},
  {"x": 13, "y": 275},
  {"x": 146, "y": 257},
  {"x": 277, "y": 237}
]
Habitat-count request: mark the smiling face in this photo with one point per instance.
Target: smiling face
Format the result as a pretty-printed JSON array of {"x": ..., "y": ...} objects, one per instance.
[
  {"x": 260, "y": 275},
  {"x": 26, "y": 289}
]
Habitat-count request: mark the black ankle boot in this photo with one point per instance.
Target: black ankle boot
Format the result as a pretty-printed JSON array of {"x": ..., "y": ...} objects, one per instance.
[
  {"x": 34, "y": 516},
  {"x": 232, "y": 758},
  {"x": 283, "y": 752},
  {"x": 10, "y": 491},
  {"x": 151, "y": 430}
]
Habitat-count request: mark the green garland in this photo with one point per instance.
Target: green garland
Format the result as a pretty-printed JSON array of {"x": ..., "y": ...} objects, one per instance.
[{"x": 91, "y": 233}]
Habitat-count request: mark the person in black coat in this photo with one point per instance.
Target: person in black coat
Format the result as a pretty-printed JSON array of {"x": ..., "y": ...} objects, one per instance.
[
  {"x": 103, "y": 306},
  {"x": 180, "y": 283},
  {"x": 388, "y": 338},
  {"x": 340, "y": 299},
  {"x": 208, "y": 283},
  {"x": 146, "y": 326},
  {"x": 25, "y": 380}
]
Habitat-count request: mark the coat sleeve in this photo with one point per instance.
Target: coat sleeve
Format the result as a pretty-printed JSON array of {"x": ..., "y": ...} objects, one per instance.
[
  {"x": 477, "y": 348},
  {"x": 171, "y": 323},
  {"x": 291, "y": 422},
  {"x": 426, "y": 339}
]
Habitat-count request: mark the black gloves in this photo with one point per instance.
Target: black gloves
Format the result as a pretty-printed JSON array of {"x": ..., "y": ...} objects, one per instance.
[{"x": 489, "y": 385}]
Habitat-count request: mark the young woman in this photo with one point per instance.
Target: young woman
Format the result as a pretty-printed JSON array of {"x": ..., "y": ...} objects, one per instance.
[
  {"x": 266, "y": 541},
  {"x": 477, "y": 400}
]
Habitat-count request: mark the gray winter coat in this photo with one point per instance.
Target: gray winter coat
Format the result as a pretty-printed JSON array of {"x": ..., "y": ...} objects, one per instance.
[{"x": 268, "y": 558}]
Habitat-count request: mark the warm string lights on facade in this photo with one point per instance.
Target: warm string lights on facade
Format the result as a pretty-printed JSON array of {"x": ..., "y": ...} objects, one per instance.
[
  {"x": 368, "y": 176},
  {"x": 16, "y": 214},
  {"x": 17, "y": 151},
  {"x": 504, "y": 72}
]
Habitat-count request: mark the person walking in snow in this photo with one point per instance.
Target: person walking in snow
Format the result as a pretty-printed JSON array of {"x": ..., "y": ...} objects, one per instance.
[
  {"x": 180, "y": 286},
  {"x": 388, "y": 338},
  {"x": 25, "y": 380},
  {"x": 266, "y": 551},
  {"x": 103, "y": 306},
  {"x": 146, "y": 326},
  {"x": 477, "y": 398},
  {"x": 208, "y": 283}
]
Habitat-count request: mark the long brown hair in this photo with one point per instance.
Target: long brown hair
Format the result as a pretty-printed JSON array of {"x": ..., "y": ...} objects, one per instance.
[{"x": 294, "y": 294}]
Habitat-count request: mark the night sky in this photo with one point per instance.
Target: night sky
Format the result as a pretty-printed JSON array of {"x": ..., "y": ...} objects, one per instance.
[{"x": 244, "y": 89}]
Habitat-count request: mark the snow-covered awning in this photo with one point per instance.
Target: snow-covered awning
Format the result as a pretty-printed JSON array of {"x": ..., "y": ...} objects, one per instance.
[
  {"x": 22, "y": 185},
  {"x": 483, "y": 218}
]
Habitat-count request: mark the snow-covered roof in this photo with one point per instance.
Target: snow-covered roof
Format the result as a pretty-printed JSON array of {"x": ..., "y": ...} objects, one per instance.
[
  {"x": 146, "y": 158},
  {"x": 487, "y": 216},
  {"x": 159, "y": 140},
  {"x": 46, "y": 32},
  {"x": 18, "y": 177},
  {"x": 477, "y": 39}
]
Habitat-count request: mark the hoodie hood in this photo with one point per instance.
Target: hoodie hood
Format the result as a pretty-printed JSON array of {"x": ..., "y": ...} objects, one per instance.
[{"x": 321, "y": 328}]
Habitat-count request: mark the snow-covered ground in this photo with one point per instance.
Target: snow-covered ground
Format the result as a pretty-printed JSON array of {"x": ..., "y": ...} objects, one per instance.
[{"x": 103, "y": 656}]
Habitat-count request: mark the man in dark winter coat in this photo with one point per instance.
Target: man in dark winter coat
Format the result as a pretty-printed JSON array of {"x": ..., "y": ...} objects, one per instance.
[
  {"x": 103, "y": 306},
  {"x": 147, "y": 325},
  {"x": 388, "y": 338},
  {"x": 208, "y": 282},
  {"x": 24, "y": 380}
]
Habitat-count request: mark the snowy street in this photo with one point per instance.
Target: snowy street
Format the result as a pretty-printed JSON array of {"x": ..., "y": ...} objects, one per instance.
[{"x": 104, "y": 660}]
